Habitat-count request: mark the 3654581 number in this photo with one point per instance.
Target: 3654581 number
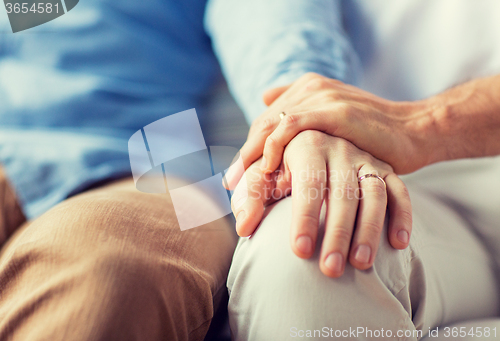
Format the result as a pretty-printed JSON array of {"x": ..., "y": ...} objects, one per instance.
[{"x": 40, "y": 7}]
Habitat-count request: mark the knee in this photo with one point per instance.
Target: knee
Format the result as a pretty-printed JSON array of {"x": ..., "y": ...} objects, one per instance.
[
  {"x": 267, "y": 280},
  {"x": 270, "y": 253},
  {"x": 124, "y": 261},
  {"x": 122, "y": 294},
  {"x": 121, "y": 262},
  {"x": 126, "y": 239}
]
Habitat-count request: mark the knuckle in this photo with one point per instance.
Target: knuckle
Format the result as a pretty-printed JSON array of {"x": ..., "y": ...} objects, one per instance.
[
  {"x": 313, "y": 137},
  {"x": 313, "y": 179},
  {"x": 403, "y": 192},
  {"x": 341, "y": 235},
  {"x": 345, "y": 189},
  {"x": 266, "y": 125},
  {"x": 307, "y": 220},
  {"x": 253, "y": 129},
  {"x": 309, "y": 76},
  {"x": 272, "y": 141},
  {"x": 318, "y": 83},
  {"x": 371, "y": 227},
  {"x": 343, "y": 147},
  {"x": 290, "y": 120},
  {"x": 336, "y": 96},
  {"x": 406, "y": 216},
  {"x": 375, "y": 188},
  {"x": 345, "y": 111},
  {"x": 256, "y": 124}
]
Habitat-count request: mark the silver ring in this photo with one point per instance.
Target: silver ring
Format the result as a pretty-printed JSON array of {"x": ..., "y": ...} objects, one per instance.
[
  {"x": 370, "y": 175},
  {"x": 282, "y": 115}
]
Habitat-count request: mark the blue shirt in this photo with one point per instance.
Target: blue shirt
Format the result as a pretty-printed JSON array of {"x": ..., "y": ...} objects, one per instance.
[
  {"x": 73, "y": 91},
  {"x": 262, "y": 44}
]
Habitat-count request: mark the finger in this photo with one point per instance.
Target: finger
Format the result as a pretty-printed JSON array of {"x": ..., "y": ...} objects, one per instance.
[
  {"x": 289, "y": 127},
  {"x": 267, "y": 123},
  {"x": 370, "y": 220},
  {"x": 271, "y": 95},
  {"x": 308, "y": 173},
  {"x": 400, "y": 213},
  {"x": 263, "y": 127},
  {"x": 342, "y": 205},
  {"x": 252, "y": 149},
  {"x": 289, "y": 96},
  {"x": 234, "y": 173},
  {"x": 249, "y": 199}
]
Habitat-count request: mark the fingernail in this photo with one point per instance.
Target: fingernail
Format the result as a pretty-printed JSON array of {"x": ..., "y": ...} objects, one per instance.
[
  {"x": 403, "y": 236},
  {"x": 304, "y": 244},
  {"x": 263, "y": 163},
  {"x": 363, "y": 254},
  {"x": 334, "y": 262},
  {"x": 235, "y": 171},
  {"x": 229, "y": 176}
]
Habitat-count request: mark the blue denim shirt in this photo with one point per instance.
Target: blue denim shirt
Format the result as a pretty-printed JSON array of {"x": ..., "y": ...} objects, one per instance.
[{"x": 72, "y": 91}]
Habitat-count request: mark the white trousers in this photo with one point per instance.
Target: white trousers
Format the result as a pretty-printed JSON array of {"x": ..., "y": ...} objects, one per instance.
[{"x": 445, "y": 276}]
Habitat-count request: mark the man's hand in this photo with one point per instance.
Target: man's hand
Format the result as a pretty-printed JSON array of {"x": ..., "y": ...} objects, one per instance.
[
  {"x": 386, "y": 129},
  {"x": 461, "y": 122},
  {"x": 317, "y": 167}
]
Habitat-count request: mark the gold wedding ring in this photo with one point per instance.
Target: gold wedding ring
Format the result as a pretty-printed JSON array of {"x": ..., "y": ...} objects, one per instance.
[
  {"x": 282, "y": 115},
  {"x": 362, "y": 177}
]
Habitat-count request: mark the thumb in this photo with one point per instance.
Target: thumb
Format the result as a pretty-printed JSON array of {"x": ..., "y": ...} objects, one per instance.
[
  {"x": 249, "y": 198},
  {"x": 271, "y": 95}
]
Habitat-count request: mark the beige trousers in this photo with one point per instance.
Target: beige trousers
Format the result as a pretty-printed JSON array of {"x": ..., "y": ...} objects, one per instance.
[
  {"x": 109, "y": 264},
  {"x": 447, "y": 274}
]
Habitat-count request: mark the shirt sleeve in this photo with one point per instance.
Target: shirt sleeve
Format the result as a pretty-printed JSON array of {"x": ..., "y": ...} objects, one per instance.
[
  {"x": 262, "y": 44},
  {"x": 73, "y": 91}
]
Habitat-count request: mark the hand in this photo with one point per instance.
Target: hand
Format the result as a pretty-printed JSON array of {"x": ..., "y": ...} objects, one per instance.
[
  {"x": 318, "y": 167},
  {"x": 391, "y": 131}
]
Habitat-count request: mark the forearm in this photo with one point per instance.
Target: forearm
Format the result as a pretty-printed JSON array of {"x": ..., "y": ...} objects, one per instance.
[{"x": 463, "y": 122}]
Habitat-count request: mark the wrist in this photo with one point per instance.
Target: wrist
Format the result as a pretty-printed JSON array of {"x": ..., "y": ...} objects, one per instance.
[
  {"x": 465, "y": 121},
  {"x": 422, "y": 129},
  {"x": 445, "y": 124},
  {"x": 437, "y": 127}
]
